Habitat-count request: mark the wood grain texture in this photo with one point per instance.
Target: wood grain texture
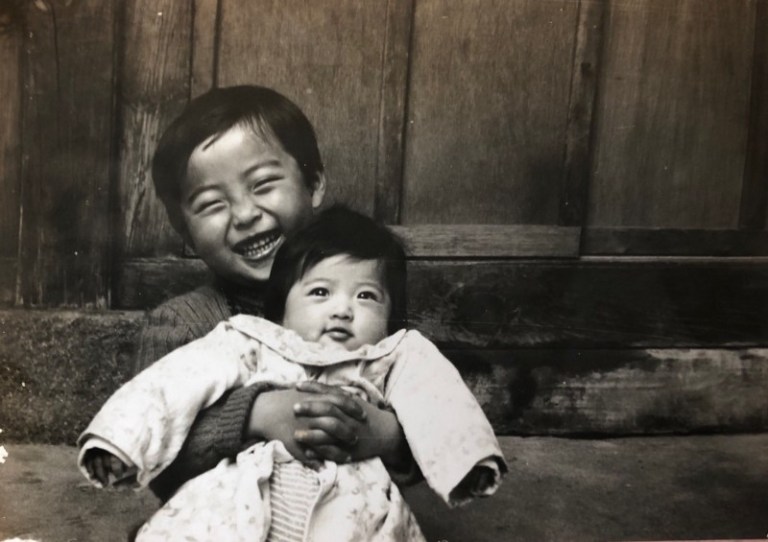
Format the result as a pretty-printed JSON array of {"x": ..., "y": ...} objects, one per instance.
[
  {"x": 489, "y": 241},
  {"x": 389, "y": 160},
  {"x": 7, "y": 281},
  {"x": 327, "y": 57},
  {"x": 10, "y": 123},
  {"x": 487, "y": 110},
  {"x": 205, "y": 45},
  {"x": 147, "y": 282},
  {"x": 597, "y": 303},
  {"x": 581, "y": 106},
  {"x": 66, "y": 137},
  {"x": 618, "y": 392},
  {"x": 662, "y": 242},
  {"x": 155, "y": 87},
  {"x": 674, "y": 95},
  {"x": 754, "y": 195}
]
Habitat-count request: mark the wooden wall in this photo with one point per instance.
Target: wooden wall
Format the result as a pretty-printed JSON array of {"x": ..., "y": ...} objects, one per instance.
[{"x": 572, "y": 175}]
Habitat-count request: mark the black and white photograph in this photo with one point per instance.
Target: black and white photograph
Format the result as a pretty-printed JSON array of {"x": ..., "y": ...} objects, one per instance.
[{"x": 383, "y": 270}]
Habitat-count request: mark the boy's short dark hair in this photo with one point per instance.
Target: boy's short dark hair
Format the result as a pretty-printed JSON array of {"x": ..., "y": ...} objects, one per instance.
[
  {"x": 267, "y": 112},
  {"x": 339, "y": 230}
]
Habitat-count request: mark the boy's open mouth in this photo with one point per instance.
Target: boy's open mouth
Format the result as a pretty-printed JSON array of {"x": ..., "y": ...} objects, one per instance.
[{"x": 258, "y": 246}]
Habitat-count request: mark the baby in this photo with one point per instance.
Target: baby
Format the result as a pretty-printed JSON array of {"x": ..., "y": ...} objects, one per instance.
[{"x": 338, "y": 289}]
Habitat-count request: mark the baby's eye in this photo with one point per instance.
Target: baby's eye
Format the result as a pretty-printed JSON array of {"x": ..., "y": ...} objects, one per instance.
[
  {"x": 373, "y": 296},
  {"x": 319, "y": 292}
]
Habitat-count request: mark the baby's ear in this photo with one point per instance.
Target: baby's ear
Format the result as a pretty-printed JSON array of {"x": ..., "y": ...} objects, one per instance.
[{"x": 318, "y": 191}]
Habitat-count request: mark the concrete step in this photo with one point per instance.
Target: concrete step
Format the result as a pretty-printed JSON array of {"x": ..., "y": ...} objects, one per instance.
[{"x": 643, "y": 488}]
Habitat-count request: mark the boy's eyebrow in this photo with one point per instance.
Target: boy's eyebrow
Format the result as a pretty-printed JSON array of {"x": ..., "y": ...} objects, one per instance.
[
  {"x": 259, "y": 165},
  {"x": 198, "y": 190}
]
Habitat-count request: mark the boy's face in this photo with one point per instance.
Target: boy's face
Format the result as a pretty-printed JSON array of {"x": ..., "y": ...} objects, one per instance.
[
  {"x": 242, "y": 195},
  {"x": 340, "y": 301}
]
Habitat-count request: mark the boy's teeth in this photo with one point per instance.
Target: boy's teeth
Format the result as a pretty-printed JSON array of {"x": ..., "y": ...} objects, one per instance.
[{"x": 260, "y": 247}]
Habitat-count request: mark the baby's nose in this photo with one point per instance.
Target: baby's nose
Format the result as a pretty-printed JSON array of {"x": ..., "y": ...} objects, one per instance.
[{"x": 343, "y": 309}]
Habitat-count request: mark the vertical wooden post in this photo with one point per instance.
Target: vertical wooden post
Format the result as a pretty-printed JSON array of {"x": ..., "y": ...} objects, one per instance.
[
  {"x": 754, "y": 193},
  {"x": 10, "y": 148},
  {"x": 155, "y": 80},
  {"x": 205, "y": 45},
  {"x": 392, "y": 114},
  {"x": 67, "y": 116},
  {"x": 584, "y": 86}
]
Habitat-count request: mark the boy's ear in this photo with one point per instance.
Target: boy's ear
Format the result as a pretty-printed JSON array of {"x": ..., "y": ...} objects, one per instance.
[{"x": 318, "y": 191}]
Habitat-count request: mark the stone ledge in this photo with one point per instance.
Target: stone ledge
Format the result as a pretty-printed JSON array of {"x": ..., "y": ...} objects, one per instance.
[{"x": 58, "y": 367}]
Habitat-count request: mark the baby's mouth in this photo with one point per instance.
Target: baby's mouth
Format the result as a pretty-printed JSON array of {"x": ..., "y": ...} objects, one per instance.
[
  {"x": 338, "y": 333},
  {"x": 258, "y": 246}
]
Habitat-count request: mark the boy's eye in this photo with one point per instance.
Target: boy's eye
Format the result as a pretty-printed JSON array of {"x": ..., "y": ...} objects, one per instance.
[
  {"x": 319, "y": 292},
  {"x": 373, "y": 296},
  {"x": 263, "y": 185},
  {"x": 207, "y": 205}
]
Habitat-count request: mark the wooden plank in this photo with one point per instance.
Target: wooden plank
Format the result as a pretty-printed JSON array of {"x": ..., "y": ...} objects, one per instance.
[
  {"x": 618, "y": 392},
  {"x": 754, "y": 194},
  {"x": 489, "y": 241},
  {"x": 581, "y": 107},
  {"x": 10, "y": 124},
  {"x": 147, "y": 282},
  {"x": 674, "y": 97},
  {"x": 389, "y": 166},
  {"x": 487, "y": 109},
  {"x": 7, "y": 281},
  {"x": 205, "y": 45},
  {"x": 662, "y": 242},
  {"x": 67, "y": 134},
  {"x": 155, "y": 79},
  {"x": 326, "y": 56},
  {"x": 592, "y": 303},
  {"x": 596, "y": 303}
]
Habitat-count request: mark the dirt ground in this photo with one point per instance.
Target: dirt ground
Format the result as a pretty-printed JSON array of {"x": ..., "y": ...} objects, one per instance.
[{"x": 656, "y": 488}]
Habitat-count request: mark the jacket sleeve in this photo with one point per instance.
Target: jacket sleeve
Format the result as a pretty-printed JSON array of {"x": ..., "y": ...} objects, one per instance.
[
  {"x": 218, "y": 431},
  {"x": 449, "y": 436},
  {"x": 148, "y": 419}
]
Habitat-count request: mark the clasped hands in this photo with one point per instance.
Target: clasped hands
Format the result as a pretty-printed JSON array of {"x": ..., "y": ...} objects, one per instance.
[{"x": 314, "y": 421}]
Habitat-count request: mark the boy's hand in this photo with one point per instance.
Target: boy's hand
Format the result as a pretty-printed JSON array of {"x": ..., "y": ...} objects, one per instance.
[
  {"x": 302, "y": 420},
  {"x": 105, "y": 467},
  {"x": 343, "y": 428}
]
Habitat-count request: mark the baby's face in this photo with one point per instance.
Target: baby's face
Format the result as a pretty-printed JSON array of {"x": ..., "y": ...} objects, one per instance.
[
  {"x": 340, "y": 301},
  {"x": 242, "y": 195}
]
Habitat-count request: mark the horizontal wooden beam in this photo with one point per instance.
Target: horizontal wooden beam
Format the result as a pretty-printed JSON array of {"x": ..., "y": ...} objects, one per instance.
[
  {"x": 618, "y": 392},
  {"x": 597, "y": 303},
  {"x": 605, "y": 303},
  {"x": 671, "y": 242},
  {"x": 490, "y": 241}
]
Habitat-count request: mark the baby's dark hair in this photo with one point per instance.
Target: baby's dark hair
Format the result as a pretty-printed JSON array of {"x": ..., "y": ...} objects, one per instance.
[
  {"x": 339, "y": 231},
  {"x": 267, "y": 112}
]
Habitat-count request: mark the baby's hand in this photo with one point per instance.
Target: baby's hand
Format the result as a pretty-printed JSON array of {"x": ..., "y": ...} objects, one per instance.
[{"x": 107, "y": 468}]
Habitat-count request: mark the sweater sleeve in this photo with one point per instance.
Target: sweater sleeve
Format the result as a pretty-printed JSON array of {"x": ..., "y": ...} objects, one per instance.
[{"x": 218, "y": 431}]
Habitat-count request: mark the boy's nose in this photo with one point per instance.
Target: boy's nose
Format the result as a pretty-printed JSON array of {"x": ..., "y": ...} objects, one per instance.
[{"x": 244, "y": 213}]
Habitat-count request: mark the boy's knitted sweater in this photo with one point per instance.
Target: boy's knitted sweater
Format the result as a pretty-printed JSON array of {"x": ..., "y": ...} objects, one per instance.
[{"x": 217, "y": 431}]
